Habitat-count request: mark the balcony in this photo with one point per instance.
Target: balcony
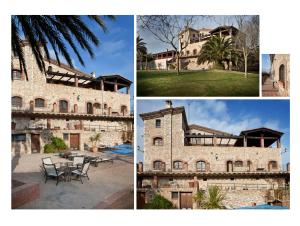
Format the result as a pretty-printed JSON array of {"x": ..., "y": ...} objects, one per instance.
[{"x": 107, "y": 113}]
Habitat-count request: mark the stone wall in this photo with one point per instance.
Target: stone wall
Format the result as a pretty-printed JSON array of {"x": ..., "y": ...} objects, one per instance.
[
  {"x": 279, "y": 60},
  {"x": 173, "y": 149}
]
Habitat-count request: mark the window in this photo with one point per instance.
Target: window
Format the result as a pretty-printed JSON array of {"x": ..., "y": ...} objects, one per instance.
[
  {"x": 16, "y": 74},
  {"x": 187, "y": 52},
  {"x": 39, "y": 103},
  {"x": 201, "y": 166},
  {"x": 105, "y": 106},
  {"x": 157, "y": 123},
  {"x": 174, "y": 195},
  {"x": 97, "y": 105},
  {"x": 89, "y": 108},
  {"x": 272, "y": 165},
  {"x": 194, "y": 52},
  {"x": 177, "y": 165},
  {"x": 157, "y": 165},
  {"x": 63, "y": 106},
  {"x": 238, "y": 163},
  {"x": 66, "y": 136},
  {"x": 16, "y": 101},
  {"x": 157, "y": 141},
  {"x": 18, "y": 137}
]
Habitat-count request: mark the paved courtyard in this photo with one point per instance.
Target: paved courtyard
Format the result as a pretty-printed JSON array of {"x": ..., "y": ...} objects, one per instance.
[
  {"x": 110, "y": 185},
  {"x": 268, "y": 90}
]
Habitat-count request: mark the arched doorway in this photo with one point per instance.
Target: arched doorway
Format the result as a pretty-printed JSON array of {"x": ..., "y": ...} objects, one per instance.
[{"x": 282, "y": 74}]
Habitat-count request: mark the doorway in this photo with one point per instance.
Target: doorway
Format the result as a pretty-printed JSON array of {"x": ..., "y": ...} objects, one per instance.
[
  {"x": 35, "y": 143},
  {"x": 186, "y": 200},
  {"x": 74, "y": 141}
]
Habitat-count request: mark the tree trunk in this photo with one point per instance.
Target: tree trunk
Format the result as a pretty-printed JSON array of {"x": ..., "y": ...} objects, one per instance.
[
  {"x": 177, "y": 62},
  {"x": 246, "y": 63},
  {"x": 141, "y": 63}
]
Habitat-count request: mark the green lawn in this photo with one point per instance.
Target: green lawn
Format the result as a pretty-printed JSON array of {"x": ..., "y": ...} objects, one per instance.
[{"x": 196, "y": 83}]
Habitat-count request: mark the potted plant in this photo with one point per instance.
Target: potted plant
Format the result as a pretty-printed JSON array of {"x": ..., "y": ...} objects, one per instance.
[{"x": 94, "y": 140}]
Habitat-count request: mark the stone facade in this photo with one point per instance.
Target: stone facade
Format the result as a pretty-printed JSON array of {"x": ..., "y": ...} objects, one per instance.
[
  {"x": 72, "y": 102},
  {"x": 187, "y": 158},
  {"x": 280, "y": 72}
]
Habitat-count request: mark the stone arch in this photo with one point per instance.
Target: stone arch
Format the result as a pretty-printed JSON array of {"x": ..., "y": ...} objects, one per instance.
[
  {"x": 158, "y": 141},
  {"x": 229, "y": 166},
  {"x": 178, "y": 165},
  {"x": 158, "y": 165},
  {"x": 123, "y": 110},
  {"x": 282, "y": 74}
]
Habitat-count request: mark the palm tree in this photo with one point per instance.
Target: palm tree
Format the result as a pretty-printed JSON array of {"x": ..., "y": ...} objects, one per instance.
[
  {"x": 141, "y": 50},
  {"x": 218, "y": 50},
  {"x": 200, "y": 198},
  {"x": 215, "y": 198},
  {"x": 57, "y": 31}
]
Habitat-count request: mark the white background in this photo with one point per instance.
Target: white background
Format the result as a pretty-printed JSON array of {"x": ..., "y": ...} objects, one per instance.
[{"x": 279, "y": 34}]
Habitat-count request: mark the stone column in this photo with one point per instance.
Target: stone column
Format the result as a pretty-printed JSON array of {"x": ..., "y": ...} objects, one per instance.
[
  {"x": 140, "y": 167},
  {"x": 102, "y": 85},
  {"x": 262, "y": 141},
  {"x": 155, "y": 182},
  {"x": 116, "y": 86},
  {"x": 76, "y": 81},
  {"x": 48, "y": 123},
  {"x": 278, "y": 143},
  {"x": 245, "y": 141}
]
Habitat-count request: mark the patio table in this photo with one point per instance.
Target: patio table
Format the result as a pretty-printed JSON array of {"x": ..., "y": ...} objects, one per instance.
[{"x": 67, "y": 168}]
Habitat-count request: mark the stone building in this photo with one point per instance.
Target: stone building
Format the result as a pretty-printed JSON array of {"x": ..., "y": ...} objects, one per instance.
[
  {"x": 280, "y": 73},
  {"x": 161, "y": 60},
  {"x": 192, "y": 40},
  {"x": 181, "y": 159},
  {"x": 66, "y": 103}
]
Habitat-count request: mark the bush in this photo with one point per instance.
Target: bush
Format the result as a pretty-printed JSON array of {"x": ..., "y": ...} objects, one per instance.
[
  {"x": 159, "y": 202},
  {"x": 58, "y": 143},
  {"x": 49, "y": 148}
]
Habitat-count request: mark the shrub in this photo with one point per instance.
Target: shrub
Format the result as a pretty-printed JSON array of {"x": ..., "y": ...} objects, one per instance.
[
  {"x": 58, "y": 143},
  {"x": 49, "y": 148},
  {"x": 159, "y": 202}
]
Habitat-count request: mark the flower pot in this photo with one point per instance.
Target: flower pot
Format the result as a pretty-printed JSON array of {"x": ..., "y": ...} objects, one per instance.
[{"x": 94, "y": 149}]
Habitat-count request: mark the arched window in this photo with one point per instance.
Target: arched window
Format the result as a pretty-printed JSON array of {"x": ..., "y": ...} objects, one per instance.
[
  {"x": 89, "y": 108},
  {"x": 49, "y": 68},
  {"x": 194, "y": 52},
  {"x": 63, "y": 106},
  {"x": 238, "y": 163},
  {"x": 201, "y": 166},
  {"x": 157, "y": 141},
  {"x": 16, "y": 74},
  {"x": 178, "y": 165},
  {"x": 272, "y": 165},
  {"x": 39, "y": 103},
  {"x": 229, "y": 166},
  {"x": 16, "y": 101},
  {"x": 123, "y": 110},
  {"x": 158, "y": 165},
  {"x": 97, "y": 105},
  {"x": 105, "y": 106},
  {"x": 282, "y": 74}
]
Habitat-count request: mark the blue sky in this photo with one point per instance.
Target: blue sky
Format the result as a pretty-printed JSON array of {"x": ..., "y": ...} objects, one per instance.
[
  {"x": 115, "y": 54},
  {"x": 230, "y": 116},
  {"x": 266, "y": 64}
]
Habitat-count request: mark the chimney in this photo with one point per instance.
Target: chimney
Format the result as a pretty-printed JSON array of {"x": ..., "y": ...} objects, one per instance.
[
  {"x": 169, "y": 104},
  {"x": 93, "y": 74}
]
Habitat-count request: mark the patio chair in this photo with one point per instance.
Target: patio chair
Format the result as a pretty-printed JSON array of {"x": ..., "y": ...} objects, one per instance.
[
  {"x": 48, "y": 161},
  {"x": 52, "y": 172},
  {"x": 78, "y": 161},
  {"x": 98, "y": 160},
  {"x": 82, "y": 172}
]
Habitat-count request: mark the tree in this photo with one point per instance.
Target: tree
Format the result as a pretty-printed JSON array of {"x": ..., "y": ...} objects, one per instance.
[
  {"x": 215, "y": 198},
  {"x": 57, "y": 31},
  {"x": 247, "y": 39},
  {"x": 94, "y": 140},
  {"x": 212, "y": 200},
  {"x": 218, "y": 49},
  {"x": 159, "y": 202},
  {"x": 141, "y": 50},
  {"x": 166, "y": 28}
]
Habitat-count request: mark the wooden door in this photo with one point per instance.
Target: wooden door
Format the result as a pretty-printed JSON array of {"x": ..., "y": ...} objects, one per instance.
[
  {"x": 35, "y": 143},
  {"x": 141, "y": 200},
  {"x": 74, "y": 141},
  {"x": 186, "y": 200}
]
